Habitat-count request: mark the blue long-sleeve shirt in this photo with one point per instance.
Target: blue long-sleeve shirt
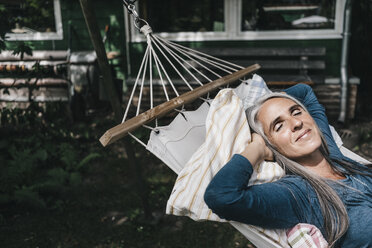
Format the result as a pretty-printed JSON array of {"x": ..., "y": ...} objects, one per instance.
[{"x": 291, "y": 200}]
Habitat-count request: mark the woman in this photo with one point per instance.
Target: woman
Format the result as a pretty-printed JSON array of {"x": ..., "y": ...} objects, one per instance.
[{"x": 322, "y": 187}]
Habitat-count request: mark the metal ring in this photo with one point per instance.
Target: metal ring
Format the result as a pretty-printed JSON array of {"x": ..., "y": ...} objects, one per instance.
[
  {"x": 138, "y": 21},
  {"x": 132, "y": 9}
]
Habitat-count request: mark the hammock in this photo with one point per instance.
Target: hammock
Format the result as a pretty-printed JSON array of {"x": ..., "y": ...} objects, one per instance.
[
  {"x": 167, "y": 65},
  {"x": 189, "y": 67}
]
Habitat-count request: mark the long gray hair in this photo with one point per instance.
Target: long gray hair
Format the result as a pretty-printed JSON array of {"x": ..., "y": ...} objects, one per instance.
[{"x": 335, "y": 217}]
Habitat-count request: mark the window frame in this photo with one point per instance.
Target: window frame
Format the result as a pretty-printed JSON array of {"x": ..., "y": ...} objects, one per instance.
[
  {"x": 233, "y": 28},
  {"x": 299, "y": 34},
  {"x": 58, "y": 35}
]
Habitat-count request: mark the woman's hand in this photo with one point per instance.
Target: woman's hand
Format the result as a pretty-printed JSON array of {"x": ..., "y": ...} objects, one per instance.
[{"x": 257, "y": 151}]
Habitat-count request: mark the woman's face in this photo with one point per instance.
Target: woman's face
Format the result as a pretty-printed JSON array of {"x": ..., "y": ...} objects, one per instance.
[{"x": 289, "y": 128}]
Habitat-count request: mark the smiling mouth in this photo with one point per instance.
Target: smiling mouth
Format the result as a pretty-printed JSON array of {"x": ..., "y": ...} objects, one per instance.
[{"x": 303, "y": 134}]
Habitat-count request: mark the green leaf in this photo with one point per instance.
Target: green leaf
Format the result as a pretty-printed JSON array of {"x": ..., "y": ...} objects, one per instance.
[
  {"x": 41, "y": 154},
  {"x": 27, "y": 197},
  {"x": 87, "y": 160},
  {"x": 22, "y": 49},
  {"x": 50, "y": 187},
  {"x": 58, "y": 175},
  {"x": 75, "y": 178},
  {"x": 68, "y": 154}
]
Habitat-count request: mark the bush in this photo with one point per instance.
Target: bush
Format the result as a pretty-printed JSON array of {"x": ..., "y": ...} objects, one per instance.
[{"x": 40, "y": 156}]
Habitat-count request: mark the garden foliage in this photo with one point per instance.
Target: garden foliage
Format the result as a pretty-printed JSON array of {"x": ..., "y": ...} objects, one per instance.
[{"x": 40, "y": 157}]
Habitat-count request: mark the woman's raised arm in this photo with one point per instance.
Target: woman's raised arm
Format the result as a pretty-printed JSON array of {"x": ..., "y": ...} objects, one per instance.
[{"x": 269, "y": 205}]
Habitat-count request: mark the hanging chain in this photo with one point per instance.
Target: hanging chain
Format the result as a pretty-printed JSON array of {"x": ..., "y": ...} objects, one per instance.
[
  {"x": 128, "y": 2},
  {"x": 138, "y": 22}
]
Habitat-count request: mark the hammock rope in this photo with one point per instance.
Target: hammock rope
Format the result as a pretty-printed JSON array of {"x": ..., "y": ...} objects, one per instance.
[
  {"x": 172, "y": 52},
  {"x": 167, "y": 63}
]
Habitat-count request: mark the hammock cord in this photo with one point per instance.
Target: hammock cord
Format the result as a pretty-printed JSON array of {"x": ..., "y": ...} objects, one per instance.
[
  {"x": 172, "y": 51},
  {"x": 161, "y": 77},
  {"x": 151, "y": 92},
  {"x": 142, "y": 83},
  {"x": 183, "y": 61},
  {"x": 204, "y": 55},
  {"x": 195, "y": 61},
  {"x": 137, "y": 139},
  {"x": 208, "y": 61},
  {"x": 177, "y": 57},
  {"x": 173, "y": 66},
  {"x": 135, "y": 85}
]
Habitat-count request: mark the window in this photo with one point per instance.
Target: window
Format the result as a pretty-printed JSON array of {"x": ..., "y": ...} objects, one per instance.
[
  {"x": 287, "y": 15},
  {"x": 195, "y": 20},
  {"x": 34, "y": 19},
  {"x": 183, "y": 16}
]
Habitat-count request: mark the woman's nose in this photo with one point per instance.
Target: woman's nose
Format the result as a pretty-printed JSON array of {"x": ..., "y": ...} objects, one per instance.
[{"x": 296, "y": 124}]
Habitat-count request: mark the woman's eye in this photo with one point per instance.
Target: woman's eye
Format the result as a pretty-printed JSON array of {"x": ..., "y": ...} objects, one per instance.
[
  {"x": 296, "y": 112},
  {"x": 278, "y": 127}
]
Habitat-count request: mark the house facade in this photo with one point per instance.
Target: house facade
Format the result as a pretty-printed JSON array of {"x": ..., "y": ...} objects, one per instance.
[{"x": 285, "y": 26}]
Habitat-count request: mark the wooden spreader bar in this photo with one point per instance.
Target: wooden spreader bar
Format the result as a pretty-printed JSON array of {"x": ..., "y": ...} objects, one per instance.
[{"x": 121, "y": 130}]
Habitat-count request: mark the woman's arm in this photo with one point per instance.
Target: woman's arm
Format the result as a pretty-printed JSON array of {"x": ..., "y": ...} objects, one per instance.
[
  {"x": 270, "y": 205},
  {"x": 306, "y": 96}
]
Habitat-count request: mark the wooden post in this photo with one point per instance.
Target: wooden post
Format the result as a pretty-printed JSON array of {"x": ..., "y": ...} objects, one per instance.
[{"x": 96, "y": 38}]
